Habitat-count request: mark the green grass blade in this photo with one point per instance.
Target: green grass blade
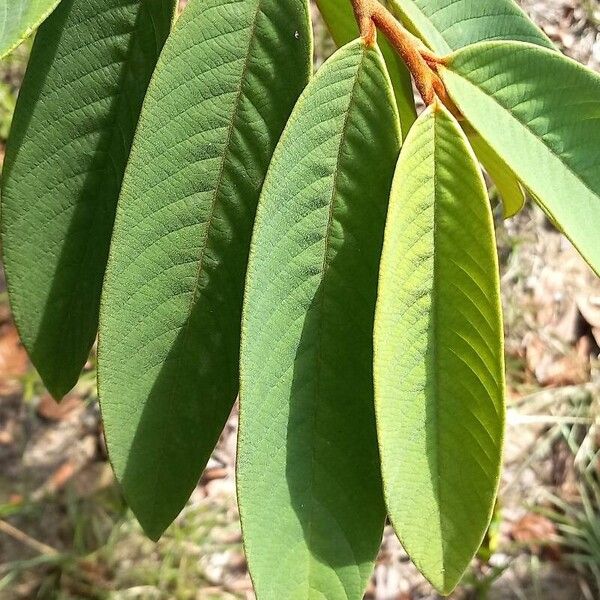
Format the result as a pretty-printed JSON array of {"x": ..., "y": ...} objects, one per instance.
[
  {"x": 18, "y": 20},
  {"x": 223, "y": 89},
  {"x": 446, "y": 25},
  {"x": 309, "y": 487},
  {"x": 540, "y": 112},
  {"x": 339, "y": 17},
  {"x": 439, "y": 367},
  {"x": 70, "y": 139}
]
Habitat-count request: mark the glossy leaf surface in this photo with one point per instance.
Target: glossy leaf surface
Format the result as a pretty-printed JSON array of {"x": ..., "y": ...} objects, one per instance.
[
  {"x": 309, "y": 487},
  {"x": 540, "y": 112},
  {"x": 223, "y": 89},
  {"x": 439, "y": 367},
  {"x": 18, "y": 20},
  {"x": 69, "y": 143}
]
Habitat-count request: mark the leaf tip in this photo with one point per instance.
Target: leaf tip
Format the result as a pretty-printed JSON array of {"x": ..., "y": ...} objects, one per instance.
[
  {"x": 153, "y": 533},
  {"x": 153, "y": 525},
  {"x": 58, "y": 385},
  {"x": 444, "y": 580}
]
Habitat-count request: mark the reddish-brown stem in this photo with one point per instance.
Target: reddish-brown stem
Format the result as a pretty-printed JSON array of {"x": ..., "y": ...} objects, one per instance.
[
  {"x": 415, "y": 63},
  {"x": 421, "y": 62},
  {"x": 362, "y": 14}
]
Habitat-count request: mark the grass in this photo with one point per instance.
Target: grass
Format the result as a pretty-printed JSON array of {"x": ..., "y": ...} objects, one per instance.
[
  {"x": 572, "y": 420},
  {"x": 106, "y": 554}
]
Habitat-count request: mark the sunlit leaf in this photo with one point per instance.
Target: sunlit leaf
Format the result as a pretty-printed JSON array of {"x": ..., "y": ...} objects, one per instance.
[
  {"x": 507, "y": 185},
  {"x": 439, "y": 368},
  {"x": 223, "y": 89},
  {"x": 19, "y": 18},
  {"x": 446, "y": 25},
  {"x": 540, "y": 112},
  {"x": 309, "y": 487}
]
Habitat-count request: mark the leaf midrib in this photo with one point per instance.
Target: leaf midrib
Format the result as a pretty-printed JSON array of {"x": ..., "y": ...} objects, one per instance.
[
  {"x": 434, "y": 325},
  {"x": 109, "y": 166},
  {"x": 324, "y": 268}
]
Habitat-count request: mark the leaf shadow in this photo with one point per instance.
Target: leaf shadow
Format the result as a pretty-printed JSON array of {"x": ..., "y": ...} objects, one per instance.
[
  {"x": 332, "y": 458},
  {"x": 183, "y": 415}
]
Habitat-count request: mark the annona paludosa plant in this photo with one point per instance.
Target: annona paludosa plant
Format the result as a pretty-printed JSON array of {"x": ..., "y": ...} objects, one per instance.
[{"x": 227, "y": 221}]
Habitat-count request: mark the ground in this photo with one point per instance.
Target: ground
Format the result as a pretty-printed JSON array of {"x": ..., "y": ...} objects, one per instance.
[{"x": 65, "y": 532}]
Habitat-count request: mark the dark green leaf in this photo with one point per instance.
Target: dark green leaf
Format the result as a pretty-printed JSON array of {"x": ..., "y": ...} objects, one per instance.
[
  {"x": 339, "y": 17},
  {"x": 70, "y": 139},
  {"x": 223, "y": 89}
]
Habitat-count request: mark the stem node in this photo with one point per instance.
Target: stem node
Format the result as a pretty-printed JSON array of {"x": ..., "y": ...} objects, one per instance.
[{"x": 420, "y": 61}]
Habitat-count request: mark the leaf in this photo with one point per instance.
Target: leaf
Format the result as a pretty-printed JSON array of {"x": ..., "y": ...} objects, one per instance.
[
  {"x": 446, "y": 25},
  {"x": 340, "y": 21},
  {"x": 68, "y": 146},
  {"x": 309, "y": 487},
  {"x": 540, "y": 112},
  {"x": 508, "y": 186},
  {"x": 439, "y": 367},
  {"x": 223, "y": 89},
  {"x": 18, "y": 20}
]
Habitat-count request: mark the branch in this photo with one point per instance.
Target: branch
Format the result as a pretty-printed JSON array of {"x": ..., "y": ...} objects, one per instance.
[{"x": 420, "y": 61}]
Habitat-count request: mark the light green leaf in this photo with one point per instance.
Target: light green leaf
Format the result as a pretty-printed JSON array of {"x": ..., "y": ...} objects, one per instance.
[
  {"x": 507, "y": 185},
  {"x": 439, "y": 367},
  {"x": 446, "y": 25},
  {"x": 339, "y": 17},
  {"x": 309, "y": 487},
  {"x": 223, "y": 89},
  {"x": 70, "y": 138},
  {"x": 18, "y": 20},
  {"x": 540, "y": 112}
]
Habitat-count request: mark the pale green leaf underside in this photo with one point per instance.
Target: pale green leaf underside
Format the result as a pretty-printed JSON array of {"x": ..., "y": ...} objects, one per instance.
[
  {"x": 68, "y": 146},
  {"x": 223, "y": 89},
  {"x": 508, "y": 186},
  {"x": 18, "y": 20},
  {"x": 309, "y": 487},
  {"x": 439, "y": 367},
  {"x": 339, "y": 17},
  {"x": 540, "y": 112},
  {"x": 446, "y": 25}
]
